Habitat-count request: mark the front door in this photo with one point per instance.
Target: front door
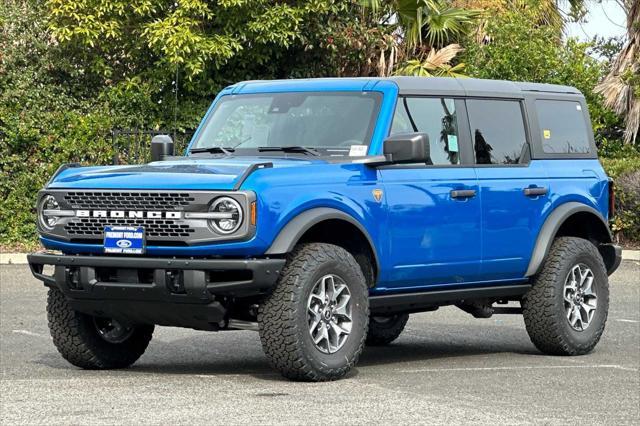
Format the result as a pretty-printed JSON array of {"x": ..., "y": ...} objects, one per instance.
[{"x": 433, "y": 209}]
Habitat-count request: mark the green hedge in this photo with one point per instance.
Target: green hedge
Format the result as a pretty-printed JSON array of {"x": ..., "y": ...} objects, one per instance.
[
  {"x": 30, "y": 155},
  {"x": 626, "y": 175}
]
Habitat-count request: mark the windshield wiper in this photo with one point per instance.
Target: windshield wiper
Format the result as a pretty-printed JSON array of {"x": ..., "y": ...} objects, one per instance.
[
  {"x": 303, "y": 149},
  {"x": 213, "y": 150}
]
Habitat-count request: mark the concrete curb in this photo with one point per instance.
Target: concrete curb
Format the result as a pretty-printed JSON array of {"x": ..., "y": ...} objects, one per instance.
[
  {"x": 13, "y": 258},
  {"x": 631, "y": 255},
  {"x": 21, "y": 258}
]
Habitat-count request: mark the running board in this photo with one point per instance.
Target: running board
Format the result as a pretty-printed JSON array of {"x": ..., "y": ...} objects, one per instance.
[{"x": 429, "y": 300}]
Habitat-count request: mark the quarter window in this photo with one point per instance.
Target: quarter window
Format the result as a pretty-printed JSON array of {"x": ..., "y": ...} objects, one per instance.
[
  {"x": 497, "y": 130},
  {"x": 563, "y": 127},
  {"x": 437, "y": 118}
]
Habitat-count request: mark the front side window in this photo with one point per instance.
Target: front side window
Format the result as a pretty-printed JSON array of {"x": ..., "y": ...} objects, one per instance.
[
  {"x": 437, "y": 118},
  {"x": 330, "y": 122},
  {"x": 497, "y": 130},
  {"x": 563, "y": 127}
]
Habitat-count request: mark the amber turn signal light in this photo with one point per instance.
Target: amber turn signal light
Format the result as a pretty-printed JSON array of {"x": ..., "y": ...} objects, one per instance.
[{"x": 253, "y": 214}]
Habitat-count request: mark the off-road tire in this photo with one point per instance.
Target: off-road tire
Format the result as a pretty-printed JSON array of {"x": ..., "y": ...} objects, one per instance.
[
  {"x": 543, "y": 305},
  {"x": 384, "y": 332},
  {"x": 283, "y": 322},
  {"x": 76, "y": 338}
]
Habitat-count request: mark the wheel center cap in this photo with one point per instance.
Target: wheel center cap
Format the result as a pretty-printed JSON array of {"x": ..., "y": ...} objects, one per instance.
[{"x": 327, "y": 314}]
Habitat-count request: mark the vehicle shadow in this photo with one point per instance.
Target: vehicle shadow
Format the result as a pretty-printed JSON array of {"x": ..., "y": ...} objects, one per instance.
[{"x": 217, "y": 355}]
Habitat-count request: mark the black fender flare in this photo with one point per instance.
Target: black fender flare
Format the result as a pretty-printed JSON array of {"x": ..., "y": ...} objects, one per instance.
[
  {"x": 550, "y": 228},
  {"x": 289, "y": 236}
]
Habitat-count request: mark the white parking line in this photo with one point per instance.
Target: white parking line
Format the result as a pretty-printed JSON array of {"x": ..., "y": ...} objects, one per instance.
[
  {"x": 537, "y": 367},
  {"x": 627, "y": 320},
  {"x": 28, "y": 333}
]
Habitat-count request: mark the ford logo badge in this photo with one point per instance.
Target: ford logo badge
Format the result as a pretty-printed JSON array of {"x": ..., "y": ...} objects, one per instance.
[{"x": 123, "y": 243}]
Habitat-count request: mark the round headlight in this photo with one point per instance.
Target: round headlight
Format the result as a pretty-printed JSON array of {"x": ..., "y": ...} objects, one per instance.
[
  {"x": 229, "y": 215},
  {"x": 48, "y": 205}
]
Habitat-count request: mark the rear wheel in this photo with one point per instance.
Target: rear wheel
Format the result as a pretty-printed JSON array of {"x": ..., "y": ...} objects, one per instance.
[
  {"x": 91, "y": 342},
  {"x": 314, "y": 324},
  {"x": 566, "y": 309},
  {"x": 385, "y": 329}
]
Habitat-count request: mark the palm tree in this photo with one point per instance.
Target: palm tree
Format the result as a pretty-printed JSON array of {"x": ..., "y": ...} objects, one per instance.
[
  {"x": 621, "y": 87},
  {"x": 435, "y": 22},
  {"x": 425, "y": 36}
]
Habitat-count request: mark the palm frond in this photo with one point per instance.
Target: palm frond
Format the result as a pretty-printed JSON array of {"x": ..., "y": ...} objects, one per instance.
[
  {"x": 443, "y": 56},
  {"x": 437, "y": 63},
  {"x": 621, "y": 87}
]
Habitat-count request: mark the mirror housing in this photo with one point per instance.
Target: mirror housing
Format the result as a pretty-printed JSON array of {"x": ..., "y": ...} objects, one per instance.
[
  {"x": 407, "y": 148},
  {"x": 161, "y": 147}
]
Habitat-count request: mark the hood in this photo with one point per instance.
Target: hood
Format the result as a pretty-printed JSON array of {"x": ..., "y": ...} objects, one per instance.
[{"x": 187, "y": 173}]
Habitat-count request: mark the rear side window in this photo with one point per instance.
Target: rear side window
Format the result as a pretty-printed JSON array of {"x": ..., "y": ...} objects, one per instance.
[
  {"x": 563, "y": 127},
  {"x": 497, "y": 130},
  {"x": 434, "y": 116}
]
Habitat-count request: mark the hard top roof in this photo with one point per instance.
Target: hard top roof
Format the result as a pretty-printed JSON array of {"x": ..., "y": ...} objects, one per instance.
[
  {"x": 415, "y": 85},
  {"x": 476, "y": 86}
]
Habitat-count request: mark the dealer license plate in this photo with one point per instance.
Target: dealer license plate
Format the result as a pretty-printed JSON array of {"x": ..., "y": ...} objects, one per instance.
[{"x": 124, "y": 239}]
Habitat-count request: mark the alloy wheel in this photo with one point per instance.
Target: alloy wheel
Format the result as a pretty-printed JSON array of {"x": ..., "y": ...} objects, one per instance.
[
  {"x": 580, "y": 299},
  {"x": 329, "y": 313}
]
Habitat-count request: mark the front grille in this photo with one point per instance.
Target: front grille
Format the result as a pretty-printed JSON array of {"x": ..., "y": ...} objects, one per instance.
[
  {"x": 128, "y": 200},
  {"x": 93, "y": 227},
  {"x": 87, "y": 226}
]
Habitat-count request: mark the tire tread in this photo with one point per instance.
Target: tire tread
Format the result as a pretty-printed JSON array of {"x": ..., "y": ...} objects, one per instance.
[
  {"x": 279, "y": 332},
  {"x": 541, "y": 318},
  {"x": 78, "y": 342}
]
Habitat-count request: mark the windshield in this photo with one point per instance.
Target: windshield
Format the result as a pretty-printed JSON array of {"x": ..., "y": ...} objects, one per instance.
[{"x": 329, "y": 123}]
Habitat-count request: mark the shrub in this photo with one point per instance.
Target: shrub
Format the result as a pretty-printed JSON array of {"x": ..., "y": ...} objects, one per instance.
[{"x": 626, "y": 223}]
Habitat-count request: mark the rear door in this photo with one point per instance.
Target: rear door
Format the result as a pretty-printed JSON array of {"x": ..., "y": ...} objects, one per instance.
[
  {"x": 434, "y": 209},
  {"x": 513, "y": 189}
]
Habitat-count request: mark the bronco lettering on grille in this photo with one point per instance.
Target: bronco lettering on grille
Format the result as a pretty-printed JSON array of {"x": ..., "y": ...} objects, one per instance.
[{"x": 133, "y": 214}]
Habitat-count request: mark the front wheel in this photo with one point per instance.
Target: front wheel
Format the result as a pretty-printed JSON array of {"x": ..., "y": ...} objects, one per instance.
[
  {"x": 314, "y": 324},
  {"x": 566, "y": 309},
  {"x": 94, "y": 343}
]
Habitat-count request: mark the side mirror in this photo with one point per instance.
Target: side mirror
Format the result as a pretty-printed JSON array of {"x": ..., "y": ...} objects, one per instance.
[
  {"x": 161, "y": 147},
  {"x": 407, "y": 148}
]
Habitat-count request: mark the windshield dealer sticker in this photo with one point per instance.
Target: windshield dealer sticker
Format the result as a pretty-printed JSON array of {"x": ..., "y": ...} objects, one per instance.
[
  {"x": 358, "y": 150},
  {"x": 546, "y": 133}
]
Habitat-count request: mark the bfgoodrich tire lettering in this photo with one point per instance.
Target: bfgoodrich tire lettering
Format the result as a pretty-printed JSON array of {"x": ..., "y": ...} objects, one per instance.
[
  {"x": 76, "y": 337},
  {"x": 284, "y": 321},
  {"x": 544, "y": 309}
]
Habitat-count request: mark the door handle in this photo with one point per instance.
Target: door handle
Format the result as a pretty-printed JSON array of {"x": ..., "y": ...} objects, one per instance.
[
  {"x": 535, "y": 191},
  {"x": 463, "y": 193}
]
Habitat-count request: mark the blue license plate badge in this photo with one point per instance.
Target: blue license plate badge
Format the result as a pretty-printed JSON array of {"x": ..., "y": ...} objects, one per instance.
[{"x": 124, "y": 239}]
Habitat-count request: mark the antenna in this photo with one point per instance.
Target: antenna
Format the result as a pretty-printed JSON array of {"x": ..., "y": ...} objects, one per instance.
[{"x": 175, "y": 106}]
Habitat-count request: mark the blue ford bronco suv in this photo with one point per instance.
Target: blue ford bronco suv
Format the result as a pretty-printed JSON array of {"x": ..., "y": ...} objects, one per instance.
[{"x": 322, "y": 212}]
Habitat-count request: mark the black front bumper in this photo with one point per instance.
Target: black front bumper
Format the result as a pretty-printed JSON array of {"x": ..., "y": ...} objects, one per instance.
[{"x": 164, "y": 291}]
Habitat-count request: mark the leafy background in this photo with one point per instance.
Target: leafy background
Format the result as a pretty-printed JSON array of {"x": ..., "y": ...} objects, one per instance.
[{"x": 73, "y": 70}]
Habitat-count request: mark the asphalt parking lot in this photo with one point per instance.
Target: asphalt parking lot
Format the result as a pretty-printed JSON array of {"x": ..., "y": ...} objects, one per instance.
[{"x": 446, "y": 368}]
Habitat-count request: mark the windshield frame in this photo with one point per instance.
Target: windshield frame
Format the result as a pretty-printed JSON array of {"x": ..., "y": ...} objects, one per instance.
[{"x": 377, "y": 97}]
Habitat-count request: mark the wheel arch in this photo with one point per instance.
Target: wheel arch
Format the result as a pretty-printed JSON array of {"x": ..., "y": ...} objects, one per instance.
[
  {"x": 571, "y": 219},
  {"x": 312, "y": 224}
]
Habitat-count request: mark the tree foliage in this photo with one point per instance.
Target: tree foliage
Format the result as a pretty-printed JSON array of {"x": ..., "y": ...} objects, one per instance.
[
  {"x": 72, "y": 70},
  {"x": 519, "y": 49},
  {"x": 120, "y": 39}
]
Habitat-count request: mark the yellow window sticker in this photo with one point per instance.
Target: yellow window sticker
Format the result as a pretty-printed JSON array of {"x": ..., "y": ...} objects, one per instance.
[{"x": 546, "y": 133}]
